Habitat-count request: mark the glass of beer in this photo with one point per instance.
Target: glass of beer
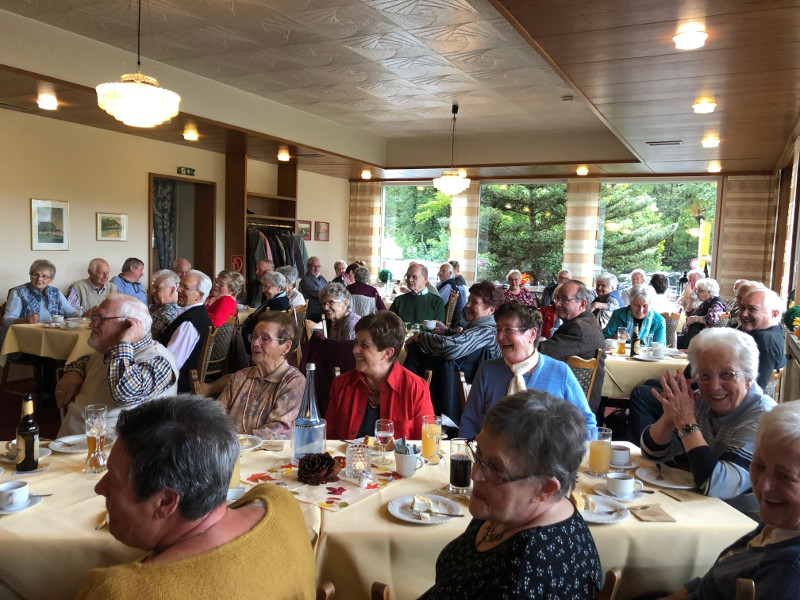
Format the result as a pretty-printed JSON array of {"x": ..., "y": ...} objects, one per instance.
[
  {"x": 95, "y": 418},
  {"x": 622, "y": 336},
  {"x": 460, "y": 466},
  {"x": 599, "y": 451}
]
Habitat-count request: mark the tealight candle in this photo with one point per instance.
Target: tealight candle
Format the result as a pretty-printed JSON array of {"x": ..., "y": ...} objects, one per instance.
[{"x": 358, "y": 460}]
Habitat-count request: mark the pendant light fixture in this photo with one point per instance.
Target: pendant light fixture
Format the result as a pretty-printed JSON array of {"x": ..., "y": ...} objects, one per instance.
[
  {"x": 137, "y": 100},
  {"x": 454, "y": 181}
]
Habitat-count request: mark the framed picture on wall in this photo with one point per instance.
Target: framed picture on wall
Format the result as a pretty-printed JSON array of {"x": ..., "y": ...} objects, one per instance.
[
  {"x": 322, "y": 231},
  {"x": 304, "y": 229},
  {"x": 112, "y": 227},
  {"x": 49, "y": 225}
]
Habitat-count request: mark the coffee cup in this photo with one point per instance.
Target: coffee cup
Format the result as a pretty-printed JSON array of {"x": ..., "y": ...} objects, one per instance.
[
  {"x": 72, "y": 323},
  {"x": 430, "y": 325},
  {"x": 622, "y": 485},
  {"x": 57, "y": 318},
  {"x": 657, "y": 349},
  {"x": 408, "y": 464},
  {"x": 611, "y": 344},
  {"x": 620, "y": 455},
  {"x": 14, "y": 494}
]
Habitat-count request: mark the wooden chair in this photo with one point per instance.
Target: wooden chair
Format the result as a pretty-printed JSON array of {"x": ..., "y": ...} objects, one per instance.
[
  {"x": 450, "y": 309},
  {"x": 427, "y": 376},
  {"x": 671, "y": 320},
  {"x": 465, "y": 388},
  {"x": 380, "y": 591},
  {"x": 212, "y": 389},
  {"x": 585, "y": 371},
  {"x": 214, "y": 359},
  {"x": 773, "y": 389},
  {"x": 745, "y": 589},
  {"x": 300, "y": 315},
  {"x": 325, "y": 591},
  {"x": 610, "y": 585}
]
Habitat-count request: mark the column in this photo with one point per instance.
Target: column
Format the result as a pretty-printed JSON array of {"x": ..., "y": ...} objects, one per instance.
[
  {"x": 464, "y": 210},
  {"x": 364, "y": 233},
  {"x": 580, "y": 229}
]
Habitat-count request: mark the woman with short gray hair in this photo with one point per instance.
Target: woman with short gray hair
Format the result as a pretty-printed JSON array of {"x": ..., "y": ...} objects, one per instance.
[
  {"x": 292, "y": 293},
  {"x": 638, "y": 313},
  {"x": 273, "y": 285},
  {"x": 707, "y": 314},
  {"x": 516, "y": 289},
  {"x": 607, "y": 300},
  {"x": 335, "y": 300}
]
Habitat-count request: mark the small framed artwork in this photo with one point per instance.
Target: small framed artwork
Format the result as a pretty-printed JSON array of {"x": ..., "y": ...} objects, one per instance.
[
  {"x": 112, "y": 227},
  {"x": 304, "y": 229},
  {"x": 322, "y": 231},
  {"x": 49, "y": 225}
]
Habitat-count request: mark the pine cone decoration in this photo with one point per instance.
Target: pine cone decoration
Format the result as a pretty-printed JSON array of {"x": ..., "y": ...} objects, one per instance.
[{"x": 316, "y": 469}]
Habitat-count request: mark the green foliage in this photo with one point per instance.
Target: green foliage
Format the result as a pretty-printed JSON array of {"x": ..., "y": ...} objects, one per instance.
[{"x": 418, "y": 221}]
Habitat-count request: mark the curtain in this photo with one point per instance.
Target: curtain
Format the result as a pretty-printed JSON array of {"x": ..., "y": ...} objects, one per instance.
[
  {"x": 164, "y": 204},
  {"x": 364, "y": 233}
]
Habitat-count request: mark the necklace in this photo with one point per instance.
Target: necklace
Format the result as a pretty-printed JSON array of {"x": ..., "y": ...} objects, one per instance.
[
  {"x": 374, "y": 398},
  {"x": 490, "y": 536}
]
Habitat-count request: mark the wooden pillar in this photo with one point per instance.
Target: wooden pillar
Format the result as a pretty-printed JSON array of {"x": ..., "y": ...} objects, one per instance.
[{"x": 580, "y": 229}]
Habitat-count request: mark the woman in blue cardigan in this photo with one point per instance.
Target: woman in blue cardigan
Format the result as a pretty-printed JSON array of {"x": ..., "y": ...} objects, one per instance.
[{"x": 638, "y": 313}]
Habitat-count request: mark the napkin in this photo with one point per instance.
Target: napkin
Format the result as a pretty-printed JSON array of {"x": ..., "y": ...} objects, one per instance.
[
  {"x": 652, "y": 512},
  {"x": 402, "y": 447},
  {"x": 272, "y": 445},
  {"x": 682, "y": 495}
]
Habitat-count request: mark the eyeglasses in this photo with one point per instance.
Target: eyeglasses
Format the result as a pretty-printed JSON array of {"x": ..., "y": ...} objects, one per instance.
[
  {"x": 96, "y": 319},
  {"x": 562, "y": 300},
  {"x": 40, "y": 276},
  {"x": 724, "y": 377},
  {"x": 413, "y": 277},
  {"x": 501, "y": 330},
  {"x": 489, "y": 472},
  {"x": 330, "y": 303},
  {"x": 221, "y": 282},
  {"x": 263, "y": 339}
]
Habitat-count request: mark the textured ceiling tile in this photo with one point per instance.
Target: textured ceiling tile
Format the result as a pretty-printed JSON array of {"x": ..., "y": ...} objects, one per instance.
[
  {"x": 342, "y": 22},
  {"x": 411, "y": 14},
  {"x": 486, "y": 59},
  {"x": 390, "y": 45},
  {"x": 445, "y": 83},
  {"x": 407, "y": 66},
  {"x": 456, "y": 37}
]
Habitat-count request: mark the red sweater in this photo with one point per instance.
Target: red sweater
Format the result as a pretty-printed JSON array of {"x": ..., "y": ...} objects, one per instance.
[{"x": 222, "y": 308}]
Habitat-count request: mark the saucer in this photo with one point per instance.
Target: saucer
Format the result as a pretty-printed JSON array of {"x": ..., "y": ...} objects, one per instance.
[
  {"x": 630, "y": 465},
  {"x": 12, "y": 458},
  {"x": 32, "y": 501},
  {"x": 601, "y": 489}
]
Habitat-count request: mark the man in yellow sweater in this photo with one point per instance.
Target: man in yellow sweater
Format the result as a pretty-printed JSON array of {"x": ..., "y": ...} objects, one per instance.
[{"x": 165, "y": 493}]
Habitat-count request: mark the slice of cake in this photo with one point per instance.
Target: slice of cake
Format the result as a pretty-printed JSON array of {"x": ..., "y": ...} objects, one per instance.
[
  {"x": 582, "y": 501},
  {"x": 422, "y": 506}
]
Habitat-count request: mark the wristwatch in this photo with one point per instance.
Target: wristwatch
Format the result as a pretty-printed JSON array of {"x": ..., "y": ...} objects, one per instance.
[{"x": 687, "y": 429}]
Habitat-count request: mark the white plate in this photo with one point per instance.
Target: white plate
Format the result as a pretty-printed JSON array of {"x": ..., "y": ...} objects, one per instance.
[
  {"x": 631, "y": 465},
  {"x": 29, "y": 504},
  {"x": 604, "y": 505},
  {"x": 76, "y": 444},
  {"x": 401, "y": 508},
  {"x": 673, "y": 478},
  {"x": 644, "y": 358},
  {"x": 249, "y": 442},
  {"x": 11, "y": 455},
  {"x": 54, "y": 325},
  {"x": 601, "y": 489},
  {"x": 674, "y": 352}
]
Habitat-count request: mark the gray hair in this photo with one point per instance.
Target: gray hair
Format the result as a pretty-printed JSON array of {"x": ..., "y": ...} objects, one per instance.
[
  {"x": 513, "y": 272},
  {"x": 132, "y": 262},
  {"x": 448, "y": 267},
  {"x": 40, "y": 264},
  {"x": 95, "y": 262},
  {"x": 423, "y": 269},
  {"x": 186, "y": 443},
  {"x": 771, "y": 300},
  {"x": 642, "y": 291},
  {"x": 289, "y": 272},
  {"x": 339, "y": 262},
  {"x": 203, "y": 281},
  {"x": 235, "y": 280},
  {"x": 275, "y": 278},
  {"x": 362, "y": 275},
  {"x": 583, "y": 292},
  {"x": 565, "y": 272},
  {"x": 638, "y": 272},
  {"x": 699, "y": 272},
  {"x": 335, "y": 291},
  {"x": 714, "y": 339},
  {"x": 708, "y": 285},
  {"x": 131, "y": 308},
  {"x": 527, "y": 420},
  {"x": 780, "y": 426},
  {"x": 168, "y": 275},
  {"x": 610, "y": 278}
]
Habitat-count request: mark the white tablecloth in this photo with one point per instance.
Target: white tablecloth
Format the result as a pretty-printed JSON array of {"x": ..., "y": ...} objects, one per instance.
[{"x": 624, "y": 373}]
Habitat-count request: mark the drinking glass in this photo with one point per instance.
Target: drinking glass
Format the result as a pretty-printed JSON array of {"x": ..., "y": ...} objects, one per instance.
[
  {"x": 622, "y": 335},
  {"x": 384, "y": 433},
  {"x": 460, "y": 466},
  {"x": 95, "y": 419},
  {"x": 431, "y": 436},
  {"x": 599, "y": 451}
]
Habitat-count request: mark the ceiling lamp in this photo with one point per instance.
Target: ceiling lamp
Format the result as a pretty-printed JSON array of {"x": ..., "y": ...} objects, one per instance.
[
  {"x": 190, "y": 131},
  {"x": 582, "y": 170},
  {"x": 47, "y": 101},
  {"x": 366, "y": 174},
  {"x": 710, "y": 141},
  {"x": 714, "y": 167},
  {"x": 421, "y": 188},
  {"x": 504, "y": 187},
  {"x": 137, "y": 100},
  {"x": 704, "y": 106},
  {"x": 454, "y": 181},
  {"x": 690, "y": 37},
  {"x": 283, "y": 154}
]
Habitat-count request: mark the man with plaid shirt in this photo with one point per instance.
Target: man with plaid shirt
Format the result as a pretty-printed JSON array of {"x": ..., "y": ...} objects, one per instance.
[{"x": 128, "y": 367}]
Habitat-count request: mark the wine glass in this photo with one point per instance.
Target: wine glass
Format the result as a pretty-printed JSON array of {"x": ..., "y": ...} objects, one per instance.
[{"x": 384, "y": 433}]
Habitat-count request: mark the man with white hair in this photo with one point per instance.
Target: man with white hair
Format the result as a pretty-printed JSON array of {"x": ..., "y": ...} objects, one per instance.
[
  {"x": 446, "y": 285},
  {"x": 186, "y": 335},
  {"x": 90, "y": 292},
  {"x": 637, "y": 278},
  {"x": 563, "y": 276},
  {"x": 760, "y": 316},
  {"x": 128, "y": 367}
]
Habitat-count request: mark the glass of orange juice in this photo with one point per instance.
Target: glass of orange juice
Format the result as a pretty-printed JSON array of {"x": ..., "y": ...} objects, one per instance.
[
  {"x": 599, "y": 451},
  {"x": 431, "y": 434}
]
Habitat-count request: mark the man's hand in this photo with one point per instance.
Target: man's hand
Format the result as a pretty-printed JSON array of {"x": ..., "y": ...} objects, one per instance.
[
  {"x": 34, "y": 318},
  {"x": 68, "y": 387},
  {"x": 133, "y": 332}
]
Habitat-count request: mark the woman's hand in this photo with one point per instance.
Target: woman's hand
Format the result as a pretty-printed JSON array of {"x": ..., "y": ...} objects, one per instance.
[
  {"x": 677, "y": 398},
  {"x": 34, "y": 318}
]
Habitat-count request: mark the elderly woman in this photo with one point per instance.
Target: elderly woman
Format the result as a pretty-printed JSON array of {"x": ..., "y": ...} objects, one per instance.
[
  {"x": 292, "y": 293},
  {"x": 637, "y": 278},
  {"x": 273, "y": 285},
  {"x": 164, "y": 300},
  {"x": 516, "y": 291},
  {"x": 522, "y": 476},
  {"x": 221, "y": 302},
  {"x": 638, "y": 313},
  {"x": 705, "y": 315},
  {"x": 36, "y": 301},
  {"x": 607, "y": 299},
  {"x": 335, "y": 300},
  {"x": 379, "y": 387},
  {"x": 689, "y": 300},
  {"x": 263, "y": 400},
  {"x": 717, "y": 429},
  {"x": 521, "y": 367},
  {"x": 770, "y": 554}
]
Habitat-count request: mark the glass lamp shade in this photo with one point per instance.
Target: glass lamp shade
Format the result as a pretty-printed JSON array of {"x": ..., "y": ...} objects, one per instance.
[
  {"x": 137, "y": 101},
  {"x": 451, "y": 183}
]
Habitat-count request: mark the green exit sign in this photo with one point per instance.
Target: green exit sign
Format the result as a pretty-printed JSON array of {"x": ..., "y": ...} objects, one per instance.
[{"x": 186, "y": 171}]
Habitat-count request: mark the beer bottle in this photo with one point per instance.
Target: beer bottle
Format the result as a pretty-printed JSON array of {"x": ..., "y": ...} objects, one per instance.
[
  {"x": 27, "y": 438},
  {"x": 635, "y": 341}
]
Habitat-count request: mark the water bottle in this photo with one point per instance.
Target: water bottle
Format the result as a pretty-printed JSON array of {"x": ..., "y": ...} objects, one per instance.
[{"x": 308, "y": 429}]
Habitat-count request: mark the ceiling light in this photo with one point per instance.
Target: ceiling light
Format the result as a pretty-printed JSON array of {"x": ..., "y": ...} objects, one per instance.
[
  {"x": 47, "y": 101},
  {"x": 710, "y": 141},
  {"x": 690, "y": 37},
  {"x": 366, "y": 174},
  {"x": 454, "y": 181},
  {"x": 137, "y": 100},
  {"x": 421, "y": 188},
  {"x": 704, "y": 106},
  {"x": 504, "y": 187},
  {"x": 190, "y": 131},
  {"x": 582, "y": 170},
  {"x": 714, "y": 167},
  {"x": 283, "y": 154}
]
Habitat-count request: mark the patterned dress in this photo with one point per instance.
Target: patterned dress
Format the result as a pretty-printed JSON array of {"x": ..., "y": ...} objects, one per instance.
[{"x": 524, "y": 297}]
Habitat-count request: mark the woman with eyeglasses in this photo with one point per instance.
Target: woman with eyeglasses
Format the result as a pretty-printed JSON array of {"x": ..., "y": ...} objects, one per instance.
[
  {"x": 274, "y": 288},
  {"x": 526, "y": 539},
  {"x": 716, "y": 430},
  {"x": 521, "y": 367},
  {"x": 221, "y": 302},
  {"x": 335, "y": 300},
  {"x": 264, "y": 399},
  {"x": 516, "y": 290}
]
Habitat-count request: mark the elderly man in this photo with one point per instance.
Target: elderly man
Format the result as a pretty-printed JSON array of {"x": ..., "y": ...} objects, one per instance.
[
  {"x": 164, "y": 296},
  {"x": 744, "y": 287},
  {"x": 760, "y": 316},
  {"x": 255, "y": 295},
  {"x": 340, "y": 267},
  {"x": 181, "y": 266},
  {"x": 88, "y": 293},
  {"x": 365, "y": 299},
  {"x": 127, "y": 281},
  {"x": 418, "y": 304},
  {"x": 446, "y": 285},
  {"x": 547, "y": 295},
  {"x": 310, "y": 286},
  {"x": 128, "y": 368},
  {"x": 165, "y": 493},
  {"x": 579, "y": 333},
  {"x": 637, "y": 278},
  {"x": 185, "y": 336}
]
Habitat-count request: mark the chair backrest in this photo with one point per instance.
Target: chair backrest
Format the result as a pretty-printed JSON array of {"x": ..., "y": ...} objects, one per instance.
[
  {"x": 610, "y": 585},
  {"x": 724, "y": 320},
  {"x": 363, "y": 305},
  {"x": 451, "y": 306},
  {"x": 671, "y": 320},
  {"x": 380, "y": 591},
  {"x": 773, "y": 388},
  {"x": 745, "y": 589},
  {"x": 216, "y": 361},
  {"x": 300, "y": 315},
  {"x": 212, "y": 389},
  {"x": 427, "y": 376},
  {"x": 206, "y": 353},
  {"x": 325, "y": 591},
  {"x": 465, "y": 388},
  {"x": 585, "y": 371}
]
